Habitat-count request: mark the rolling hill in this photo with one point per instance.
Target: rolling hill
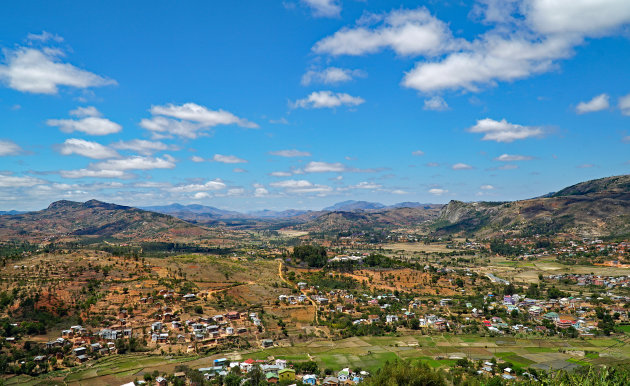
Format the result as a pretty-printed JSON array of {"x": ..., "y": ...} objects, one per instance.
[
  {"x": 71, "y": 220},
  {"x": 593, "y": 208}
]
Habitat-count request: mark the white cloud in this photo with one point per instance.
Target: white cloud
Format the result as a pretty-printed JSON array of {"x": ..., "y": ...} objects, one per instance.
[
  {"x": 136, "y": 163},
  {"x": 508, "y": 167},
  {"x": 93, "y": 173},
  {"x": 435, "y": 103},
  {"x": 432, "y": 164},
  {"x": 42, "y": 71},
  {"x": 239, "y": 170},
  {"x": 624, "y": 105},
  {"x": 196, "y": 158},
  {"x": 461, "y": 166},
  {"x": 44, "y": 37},
  {"x": 189, "y": 120},
  {"x": 513, "y": 157},
  {"x": 600, "y": 102},
  {"x": 9, "y": 148},
  {"x": 367, "y": 185},
  {"x": 208, "y": 186},
  {"x": 235, "y": 191},
  {"x": 407, "y": 32},
  {"x": 486, "y": 187},
  {"x": 324, "y": 8},
  {"x": 437, "y": 191},
  {"x": 9, "y": 181},
  {"x": 260, "y": 190},
  {"x": 228, "y": 159},
  {"x": 280, "y": 174},
  {"x": 324, "y": 167},
  {"x": 290, "y": 153},
  {"x": 301, "y": 186},
  {"x": 417, "y": 153},
  {"x": 201, "y": 195},
  {"x": 327, "y": 99},
  {"x": 142, "y": 146},
  {"x": 583, "y": 17},
  {"x": 331, "y": 75},
  {"x": 503, "y": 131},
  {"x": 91, "y": 124},
  {"x": 87, "y": 111},
  {"x": 86, "y": 149},
  {"x": 399, "y": 191}
]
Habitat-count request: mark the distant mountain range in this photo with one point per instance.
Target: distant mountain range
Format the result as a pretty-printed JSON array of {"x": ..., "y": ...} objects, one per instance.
[{"x": 593, "y": 208}]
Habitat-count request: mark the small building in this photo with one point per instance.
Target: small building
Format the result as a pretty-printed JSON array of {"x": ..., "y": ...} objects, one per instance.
[
  {"x": 267, "y": 343},
  {"x": 286, "y": 375}
]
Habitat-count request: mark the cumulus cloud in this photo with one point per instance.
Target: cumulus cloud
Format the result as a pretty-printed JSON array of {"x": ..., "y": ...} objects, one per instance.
[
  {"x": 228, "y": 159},
  {"x": 367, "y": 185},
  {"x": 189, "y": 120},
  {"x": 324, "y": 8},
  {"x": 624, "y": 105},
  {"x": 86, "y": 148},
  {"x": 438, "y": 191},
  {"x": 10, "y": 181},
  {"x": 407, "y": 32},
  {"x": 417, "y": 153},
  {"x": 327, "y": 99},
  {"x": 513, "y": 157},
  {"x": 9, "y": 148},
  {"x": 94, "y": 173},
  {"x": 201, "y": 195},
  {"x": 331, "y": 75},
  {"x": 42, "y": 71},
  {"x": 281, "y": 174},
  {"x": 503, "y": 131},
  {"x": 235, "y": 191},
  {"x": 301, "y": 186},
  {"x": 290, "y": 153},
  {"x": 91, "y": 122},
  {"x": 142, "y": 146},
  {"x": 213, "y": 185},
  {"x": 435, "y": 103},
  {"x": 461, "y": 166},
  {"x": 260, "y": 190},
  {"x": 196, "y": 158},
  {"x": 136, "y": 163},
  {"x": 600, "y": 102},
  {"x": 324, "y": 167}
]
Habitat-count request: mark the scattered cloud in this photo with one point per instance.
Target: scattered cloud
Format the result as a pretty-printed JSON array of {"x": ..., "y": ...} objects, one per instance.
[
  {"x": 331, "y": 75},
  {"x": 290, "y": 153},
  {"x": 196, "y": 158},
  {"x": 281, "y": 174},
  {"x": 301, "y": 186},
  {"x": 201, "y": 195},
  {"x": 9, "y": 148},
  {"x": 435, "y": 103},
  {"x": 486, "y": 187},
  {"x": 327, "y": 99},
  {"x": 461, "y": 166},
  {"x": 239, "y": 170},
  {"x": 508, "y": 167},
  {"x": 142, "y": 146},
  {"x": 367, "y": 185},
  {"x": 86, "y": 149},
  {"x": 90, "y": 122},
  {"x": 42, "y": 71},
  {"x": 407, "y": 32},
  {"x": 438, "y": 191},
  {"x": 136, "y": 163},
  {"x": 10, "y": 181},
  {"x": 260, "y": 190},
  {"x": 324, "y": 167},
  {"x": 235, "y": 191},
  {"x": 324, "y": 8},
  {"x": 93, "y": 173},
  {"x": 417, "y": 153},
  {"x": 432, "y": 164},
  {"x": 228, "y": 159},
  {"x": 586, "y": 166},
  {"x": 44, "y": 37},
  {"x": 213, "y": 185},
  {"x": 513, "y": 157},
  {"x": 503, "y": 131},
  {"x": 598, "y": 103},
  {"x": 624, "y": 104},
  {"x": 188, "y": 120}
]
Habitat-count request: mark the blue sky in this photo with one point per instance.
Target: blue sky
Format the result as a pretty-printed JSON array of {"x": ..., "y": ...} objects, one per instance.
[{"x": 303, "y": 103}]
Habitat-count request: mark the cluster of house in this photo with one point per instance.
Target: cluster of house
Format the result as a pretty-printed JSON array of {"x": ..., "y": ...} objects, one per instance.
[
  {"x": 277, "y": 370},
  {"x": 597, "y": 280},
  {"x": 85, "y": 342},
  {"x": 213, "y": 329}
]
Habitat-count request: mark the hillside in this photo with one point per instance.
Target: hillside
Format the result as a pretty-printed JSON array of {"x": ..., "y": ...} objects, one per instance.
[
  {"x": 340, "y": 221},
  {"x": 593, "y": 208},
  {"x": 71, "y": 220}
]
